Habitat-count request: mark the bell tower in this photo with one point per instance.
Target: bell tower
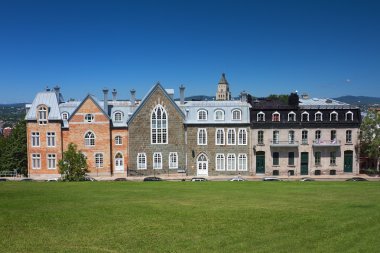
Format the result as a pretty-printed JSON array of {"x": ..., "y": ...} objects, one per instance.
[{"x": 223, "y": 92}]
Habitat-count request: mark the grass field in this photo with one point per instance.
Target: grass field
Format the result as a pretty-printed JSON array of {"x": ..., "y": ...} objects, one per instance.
[{"x": 190, "y": 217}]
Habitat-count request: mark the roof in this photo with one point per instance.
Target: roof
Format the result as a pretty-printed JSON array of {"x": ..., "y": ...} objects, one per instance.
[
  {"x": 323, "y": 103},
  {"x": 96, "y": 102},
  {"x": 48, "y": 98}
]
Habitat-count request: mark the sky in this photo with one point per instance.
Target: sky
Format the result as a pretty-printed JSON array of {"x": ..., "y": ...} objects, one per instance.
[{"x": 326, "y": 48}]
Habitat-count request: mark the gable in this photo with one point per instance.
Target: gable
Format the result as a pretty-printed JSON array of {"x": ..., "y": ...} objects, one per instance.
[{"x": 89, "y": 106}]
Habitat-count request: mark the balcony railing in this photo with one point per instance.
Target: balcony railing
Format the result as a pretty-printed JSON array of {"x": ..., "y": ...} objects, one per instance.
[
  {"x": 291, "y": 143},
  {"x": 326, "y": 143}
]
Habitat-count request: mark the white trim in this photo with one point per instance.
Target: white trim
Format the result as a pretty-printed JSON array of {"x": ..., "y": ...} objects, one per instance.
[
  {"x": 52, "y": 139},
  {"x": 233, "y": 156},
  {"x": 122, "y": 160},
  {"x": 162, "y": 134},
  {"x": 48, "y": 163},
  {"x": 279, "y": 116},
  {"x": 295, "y": 116},
  {"x": 245, "y": 164},
  {"x": 223, "y": 160},
  {"x": 121, "y": 116},
  {"x": 121, "y": 140},
  {"x": 315, "y": 116},
  {"x": 231, "y": 138},
  {"x": 334, "y": 112},
  {"x": 157, "y": 165},
  {"x": 223, "y": 136},
  {"x": 305, "y": 112},
  {"x": 37, "y": 138},
  {"x": 101, "y": 164},
  {"x": 239, "y": 113},
  {"x": 352, "y": 116},
  {"x": 143, "y": 155},
  {"x": 176, "y": 160},
  {"x": 257, "y": 116},
  {"x": 205, "y": 132},
  {"x": 244, "y": 140},
  {"x": 206, "y": 114},
  {"x": 89, "y": 120},
  {"x": 85, "y": 140},
  {"x": 219, "y": 110},
  {"x": 38, "y": 159}
]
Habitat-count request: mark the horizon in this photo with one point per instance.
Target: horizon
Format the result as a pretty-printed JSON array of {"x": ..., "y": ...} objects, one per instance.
[{"x": 323, "y": 48}]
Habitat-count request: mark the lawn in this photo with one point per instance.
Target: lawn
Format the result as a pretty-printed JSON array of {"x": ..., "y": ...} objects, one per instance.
[{"x": 190, "y": 217}]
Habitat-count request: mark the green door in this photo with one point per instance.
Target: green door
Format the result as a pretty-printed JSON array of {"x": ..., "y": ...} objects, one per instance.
[
  {"x": 348, "y": 155},
  {"x": 304, "y": 163},
  {"x": 260, "y": 162}
]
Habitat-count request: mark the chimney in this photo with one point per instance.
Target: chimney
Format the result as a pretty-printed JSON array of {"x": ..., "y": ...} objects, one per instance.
[
  {"x": 243, "y": 96},
  {"x": 105, "y": 92},
  {"x": 57, "y": 91},
  {"x": 182, "y": 94},
  {"x": 114, "y": 93},
  {"x": 133, "y": 98}
]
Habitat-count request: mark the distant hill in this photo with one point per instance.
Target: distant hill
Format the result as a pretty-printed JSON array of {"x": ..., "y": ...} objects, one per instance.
[{"x": 359, "y": 100}]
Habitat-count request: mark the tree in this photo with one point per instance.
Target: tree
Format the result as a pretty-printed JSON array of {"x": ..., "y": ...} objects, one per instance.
[
  {"x": 73, "y": 165},
  {"x": 370, "y": 136}
]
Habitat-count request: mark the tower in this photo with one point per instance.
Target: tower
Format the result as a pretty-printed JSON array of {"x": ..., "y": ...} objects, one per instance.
[{"x": 223, "y": 92}]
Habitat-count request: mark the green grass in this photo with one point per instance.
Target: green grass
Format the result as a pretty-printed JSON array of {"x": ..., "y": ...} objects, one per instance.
[{"x": 190, "y": 217}]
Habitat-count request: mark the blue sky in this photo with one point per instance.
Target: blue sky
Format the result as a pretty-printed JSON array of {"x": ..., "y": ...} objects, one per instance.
[{"x": 325, "y": 48}]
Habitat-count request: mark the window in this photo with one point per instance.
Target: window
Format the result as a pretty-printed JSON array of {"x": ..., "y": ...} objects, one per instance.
[
  {"x": 99, "y": 160},
  {"x": 333, "y": 136},
  {"x": 304, "y": 136},
  {"x": 219, "y": 115},
  {"x": 318, "y": 116},
  {"x": 220, "y": 162},
  {"x": 333, "y": 158},
  {"x": 36, "y": 161},
  {"x": 42, "y": 115},
  {"x": 334, "y": 116},
  {"x": 159, "y": 126},
  {"x": 50, "y": 136},
  {"x": 231, "y": 137},
  {"x": 173, "y": 160},
  {"x": 219, "y": 136},
  {"x": 236, "y": 114},
  {"x": 317, "y": 158},
  {"x": 305, "y": 116},
  {"x": 276, "y": 158},
  {"x": 291, "y": 116},
  {"x": 157, "y": 161},
  {"x": 35, "y": 139},
  {"x": 231, "y": 162},
  {"x": 260, "y": 137},
  {"x": 65, "y": 116},
  {"x": 202, "y": 115},
  {"x": 118, "y": 116},
  {"x": 317, "y": 135},
  {"x": 89, "y": 139},
  {"x": 261, "y": 116},
  {"x": 202, "y": 136},
  {"x": 51, "y": 161},
  {"x": 242, "y": 138},
  {"x": 291, "y": 158},
  {"x": 276, "y": 137},
  {"x": 348, "y": 136},
  {"x": 89, "y": 118},
  {"x": 276, "y": 116},
  {"x": 291, "y": 137},
  {"x": 242, "y": 162},
  {"x": 349, "y": 116},
  {"x": 118, "y": 140},
  {"x": 141, "y": 161}
]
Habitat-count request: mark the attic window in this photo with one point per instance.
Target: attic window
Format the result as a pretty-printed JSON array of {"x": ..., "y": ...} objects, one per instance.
[
  {"x": 42, "y": 115},
  {"x": 118, "y": 116},
  {"x": 349, "y": 116},
  {"x": 65, "y": 116},
  {"x": 276, "y": 116},
  {"x": 89, "y": 118}
]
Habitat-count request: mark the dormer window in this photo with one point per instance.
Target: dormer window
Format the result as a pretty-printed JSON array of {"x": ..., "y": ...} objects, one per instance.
[
  {"x": 219, "y": 115},
  {"x": 89, "y": 118},
  {"x": 261, "y": 116},
  {"x": 318, "y": 116},
  {"x": 292, "y": 116},
  {"x": 349, "y": 116},
  {"x": 236, "y": 114},
  {"x": 42, "y": 115},
  {"x": 118, "y": 116},
  {"x": 334, "y": 116},
  {"x": 276, "y": 116},
  {"x": 305, "y": 116},
  {"x": 202, "y": 115},
  {"x": 65, "y": 116}
]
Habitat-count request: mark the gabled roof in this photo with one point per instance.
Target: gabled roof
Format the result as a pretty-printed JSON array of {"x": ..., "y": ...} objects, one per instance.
[
  {"x": 95, "y": 101},
  {"x": 223, "y": 79},
  {"x": 48, "y": 98},
  {"x": 147, "y": 97}
]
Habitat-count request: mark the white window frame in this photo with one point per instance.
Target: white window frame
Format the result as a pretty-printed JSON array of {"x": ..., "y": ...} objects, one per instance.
[
  {"x": 42, "y": 114},
  {"x": 242, "y": 136},
  {"x": 242, "y": 162},
  {"x": 50, "y": 139},
  {"x": 65, "y": 116},
  {"x": 99, "y": 160},
  {"x": 36, "y": 161},
  {"x": 118, "y": 116},
  {"x": 159, "y": 126},
  {"x": 35, "y": 139},
  {"x": 89, "y": 139},
  {"x": 318, "y": 133},
  {"x": 231, "y": 162},
  {"x": 352, "y": 116},
  {"x": 51, "y": 160},
  {"x": 216, "y": 114},
  {"x": 349, "y": 136},
  {"x": 315, "y": 116},
  {"x": 202, "y": 136},
  {"x": 260, "y": 139},
  {"x": 118, "y": 140},
  {"x": 173, "y": 160},
  {"x": 276, "y": 136},
  {"x": 307, "y": 114},
  {"x": 291, "y": 137},
  {"x": 231, "y": 136},
  {"x": 295, "y": 116},
  {"x": 141, "y": 161},
  {"x": 303, "y": 139},
  {"x": 202, "y": 113},
  {"x": 279, "y": 117},
  {"x": 334, "y": 113},
  {"x": 236, "y": 112},
  {"x": 89, "y": 117},
  {"x": 258, "y": 117},
  {"x": 157, "y": 161},
  {"x": 220, "y": 162},
  {"x": 222, "y": 139}
]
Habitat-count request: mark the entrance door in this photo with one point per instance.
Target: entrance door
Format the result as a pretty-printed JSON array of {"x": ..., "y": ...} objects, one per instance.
[
  {"x": 202, "y": 165},
  {"x": 348, "y": 157},
  {"x": 119, "y": 163},
  {"x": 304, "y": 163},
  {"x": 260, "y": 162}
]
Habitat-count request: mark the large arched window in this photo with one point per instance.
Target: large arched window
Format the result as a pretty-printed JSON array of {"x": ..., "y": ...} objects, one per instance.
[
  {"x": 202, "y": 115},
  {"x": 236, "y": 114},
  {"x": 159, "y": 126},
  {"x": 89, "y": 139},
  {"x": 42, "y": 114},
  {"x": 202, "y": 136}
]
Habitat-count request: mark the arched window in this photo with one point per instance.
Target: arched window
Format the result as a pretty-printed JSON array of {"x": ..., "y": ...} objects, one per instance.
[
  {"x": 118, "y": 140},
  {"x": 202, "y": 136},
  {"x": 334, "y": 116},
  {"x": 219, "y": 137},
  {"x": 65, "y": 115},
  {"x": 42, "y": 114},
  {"x": 159, "y": 126},
  {"x": 318, "y": 116},
  {"x": 236, "y": 114},
  {"x": 349, "y": 116},
  {"x": 89, "y": 139},
  {"x": 261, "y": 116},
  {"x": 292, "y": 116},
  {"x": 202, "y": 115},
  {"x": 220, "y": 162},
  {"x": 305, "y": 116},
  {"x": 231, "y": 136},
  {"x": 242, "y": 136},
  {"x": 276, "y": 117},
  {"x": 118, "y": 116},
  {"x": 89, "y": 118},
  {"x": 119, "y": 162},
  {"x": 219, "y": 115},
  {"x": 141, "y": 161}
]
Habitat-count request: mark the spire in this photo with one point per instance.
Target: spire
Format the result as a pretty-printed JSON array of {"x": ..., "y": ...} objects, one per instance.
[
  {"x": 223, "y": 92},
  {"x": 223, "y": 79}
]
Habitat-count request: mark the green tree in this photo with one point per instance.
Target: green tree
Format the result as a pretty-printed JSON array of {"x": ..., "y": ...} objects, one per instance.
[
  {"x": 370, "y": 136},
  {"x": 73, "y": 166}
]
